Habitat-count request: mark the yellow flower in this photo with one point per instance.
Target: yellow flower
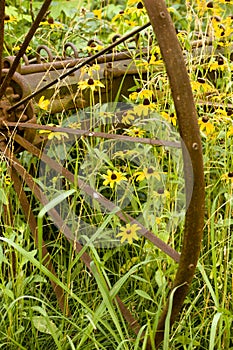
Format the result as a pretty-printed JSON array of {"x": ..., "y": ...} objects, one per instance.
[
  {"x": 146, "y": 173},
  {"x": 144, "y": 108},
  {"x": 201, "y": 86},
  {"x": 75, "y": 125},
  {"x": 90, "y": 69},
  {"x": 129, "y": 233},
  {"x": 161, "y": 193},
  {"x": 43, "y": 104},
  {"x": 218, "y": 65},
  {"x": 7, "y": 179},
  {"x": 170, "y": 117},
  {"x": 91, "y": 84},
  {"x": 58, "y": 135},
  {"x": 138, "y": 10},
  {"x": 54, "y": 134},
  {"x": 136, "y": 132},
  {"x": 113, "y": 177},
  {"x": 52, "y": 24},
  {"x": 10, "y": 19},
  {"x": 142, "y": 94},
  {"x": 230, "y": 131},
  {"x": 228, "y": 178},
  {"x": 98, "y": 13},
  {"x": 128, "y": 117},
  {"x": 206, "y": 125}
]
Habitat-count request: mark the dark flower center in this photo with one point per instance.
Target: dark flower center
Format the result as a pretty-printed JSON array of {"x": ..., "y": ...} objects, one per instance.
[
  {"x": 210, "y": 5},
  {"x": 90, "y": 81},
  {"x": 201, "y": 80},
  {"x": 220, "y": 61},
  {"x": 150, "y": 171},
  {"x": 172, "y": 115},
  {"x": 160, "y": 191},
  {"x": 50, "y": 20},
  {"x": 229, "y": 112},
  {"x": 7, "y": 18},
  {"x": 113, "y": 177},
  {"x": 146, "y": 102},
  {"x": 128, "y": 232},
  {"x": 230, "y": 174},
  {"x": 140, "y": 5},
  {"x": 205, "y": 119}
]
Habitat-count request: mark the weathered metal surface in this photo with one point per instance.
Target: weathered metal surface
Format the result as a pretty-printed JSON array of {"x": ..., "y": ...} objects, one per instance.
[
  {"x": 17, "y": 89},
  {"x": 189, "y": 131}
]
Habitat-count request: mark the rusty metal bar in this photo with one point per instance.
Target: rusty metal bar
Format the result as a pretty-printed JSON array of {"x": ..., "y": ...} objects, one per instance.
[
  {"x": 80, "y": 65},
  {"x": 189, "y": 131},
  {"x": 96, "y": 134},
  {"x": 33, "y": 227},
  {"x": 2, "y": 17},
  {"x": 70, "y": 62},
  {"x": 24, "y": 46}
]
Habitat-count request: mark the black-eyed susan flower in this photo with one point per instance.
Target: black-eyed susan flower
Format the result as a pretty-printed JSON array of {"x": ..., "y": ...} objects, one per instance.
[
  {"x": 201, "y": 86},
  {"x": 10, "y": 19},
  {"x": 135, "y": 132},
  {"x": 161, "y": 193},
  {"x": 75, "y": 125},
  {"x": 129, "y": 233},
  {"x": 43, "y": 103},
  {"x": 57, "y": 135},
  {"x": 90, "y": 69},
  {"x": 7, "y": 179},
  {"x": 98, "y": 13},
  {"x": 52, "y": 24},
  {"x": 143, "y": 109},
  {"x": 91, "y": 84},
  {"x": 128, "y": 117},
  {"x": 228, "y": 178},
  {"x": 54, "y": 134},
  {"x": 171, "y": 117},
  {"x": 113, "y": 177},
  {"x": 146, "y": 173},
  {"x": 205, "y": 125},
  {"x": 219, "y": 64}
]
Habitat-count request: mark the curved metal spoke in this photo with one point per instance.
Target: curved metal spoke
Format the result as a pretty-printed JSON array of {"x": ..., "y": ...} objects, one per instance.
[
  {"x": 24, "y": 45},
  {"x": 104, "y": 135},
  {"x": 189, "y": 131}
]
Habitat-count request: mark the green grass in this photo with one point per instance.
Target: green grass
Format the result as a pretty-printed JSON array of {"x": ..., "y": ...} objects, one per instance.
[{"x": 139, "y": 273}]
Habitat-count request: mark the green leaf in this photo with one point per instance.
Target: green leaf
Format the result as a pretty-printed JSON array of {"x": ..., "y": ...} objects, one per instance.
[
  {"x": 44, "y": 325},
  {"x": 143, "y": 294}
]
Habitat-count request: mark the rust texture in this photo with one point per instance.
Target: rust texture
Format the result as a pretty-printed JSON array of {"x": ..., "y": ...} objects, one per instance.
[{"x": 189, "y": 131}]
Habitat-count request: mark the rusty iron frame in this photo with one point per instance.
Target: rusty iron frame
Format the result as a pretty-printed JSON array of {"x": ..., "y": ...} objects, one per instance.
[
  {"x": 189, "y": 131},
  {"x": 188, "y": 128}
]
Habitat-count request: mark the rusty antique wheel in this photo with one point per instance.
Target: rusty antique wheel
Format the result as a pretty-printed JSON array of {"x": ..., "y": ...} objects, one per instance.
[{"x": 18, "y": 125}]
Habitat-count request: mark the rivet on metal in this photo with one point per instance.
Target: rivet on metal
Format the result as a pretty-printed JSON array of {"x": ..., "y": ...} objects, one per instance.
[
  {"x": 195, "y": 146},
  {"x": 162, "y": 14}
]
